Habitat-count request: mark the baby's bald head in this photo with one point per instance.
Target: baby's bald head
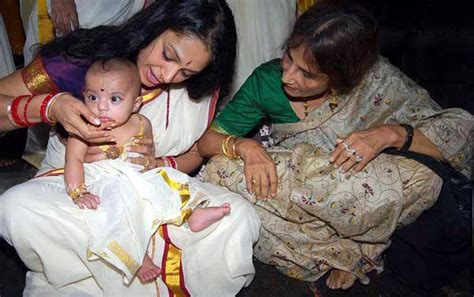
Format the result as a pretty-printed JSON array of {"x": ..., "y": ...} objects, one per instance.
[{"x": 122, "y": 69}]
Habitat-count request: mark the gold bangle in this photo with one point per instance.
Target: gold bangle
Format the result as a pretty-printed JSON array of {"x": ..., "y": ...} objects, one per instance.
[
  {"x": 223, "y": 145},
  {"x": 234, "y": 153},
  {"x": 78, "y": 192},
  {"x": 229, "y": 152}
]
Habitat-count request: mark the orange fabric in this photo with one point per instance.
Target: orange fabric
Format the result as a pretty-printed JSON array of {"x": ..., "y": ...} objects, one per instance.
[
  {"x": 303, "y": 5},
  {"x": 45, "y": 25}
]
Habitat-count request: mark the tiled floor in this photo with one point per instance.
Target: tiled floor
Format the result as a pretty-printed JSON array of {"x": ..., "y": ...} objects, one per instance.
[{"x": 267, "y": 282}]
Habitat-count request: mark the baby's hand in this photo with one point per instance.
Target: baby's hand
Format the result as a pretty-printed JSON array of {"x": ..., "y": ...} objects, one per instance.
[{"x": 88, "y": 200}]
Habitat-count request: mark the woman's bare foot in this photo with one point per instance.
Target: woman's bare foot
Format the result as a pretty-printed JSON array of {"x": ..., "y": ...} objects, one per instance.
[
  {"x": 339, "y": 279},
  {"x": 149, "y": 271},
  {"x": 201, "y": 218}
]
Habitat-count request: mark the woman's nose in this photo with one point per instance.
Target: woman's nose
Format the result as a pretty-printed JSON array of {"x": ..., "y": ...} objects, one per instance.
[
  {"x": 170, "y": 73},
  {"x": 287, "y": 75}
]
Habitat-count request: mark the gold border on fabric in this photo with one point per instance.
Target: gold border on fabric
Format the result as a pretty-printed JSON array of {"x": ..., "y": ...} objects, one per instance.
[
  {"x": 216, "y": 128},
  {"x": 184, "y": 193},
  {"x": 124, "y": 257},
  {"x": 153, "y": 252},
  {"x": 172, "y": 266},
  {"x": 52, "y": 172},
  {"x": 36, "y": 79},
  {"x": 147, "y": 98},
  {"x": 45, "y": 25}
]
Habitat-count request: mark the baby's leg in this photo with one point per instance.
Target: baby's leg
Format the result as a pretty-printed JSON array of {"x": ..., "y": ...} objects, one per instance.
[
  {"x": 201, "y": 218},
  {"x": 149, "y": 271}
]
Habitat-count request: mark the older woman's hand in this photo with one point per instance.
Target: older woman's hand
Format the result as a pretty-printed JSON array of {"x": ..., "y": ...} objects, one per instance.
[
  {"x": 71, "y": 112},
  {"x": 260, "y": 169},
  {"x": 145, "y": 148},
  {"x": 358, "y": 149}
]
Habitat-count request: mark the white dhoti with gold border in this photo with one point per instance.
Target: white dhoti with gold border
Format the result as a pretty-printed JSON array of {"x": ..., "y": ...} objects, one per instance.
[{"x": 82, "y": 252}]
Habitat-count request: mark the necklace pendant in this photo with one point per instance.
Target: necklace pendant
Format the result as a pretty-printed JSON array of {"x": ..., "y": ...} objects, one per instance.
[
  {"x": 111, "y": 151},
  {"x": 306, "y": 109}
]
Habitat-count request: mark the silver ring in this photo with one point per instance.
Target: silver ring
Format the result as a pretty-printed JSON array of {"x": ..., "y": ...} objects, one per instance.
[
  {"x": 346, "y": 147},
  {"x": 358, "y": 158}
]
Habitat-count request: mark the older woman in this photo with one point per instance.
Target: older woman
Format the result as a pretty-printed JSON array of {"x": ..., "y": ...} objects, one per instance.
[
  {"x": 183, "y": 50},
  {"x": 334, "y": 198}
]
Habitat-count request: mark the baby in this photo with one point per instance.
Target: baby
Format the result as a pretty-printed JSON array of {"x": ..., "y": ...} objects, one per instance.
[{"x": 112, "y": 90}]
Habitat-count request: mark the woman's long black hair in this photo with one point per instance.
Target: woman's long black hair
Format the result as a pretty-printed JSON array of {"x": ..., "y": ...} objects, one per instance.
[{"x": 210, "y": 20}]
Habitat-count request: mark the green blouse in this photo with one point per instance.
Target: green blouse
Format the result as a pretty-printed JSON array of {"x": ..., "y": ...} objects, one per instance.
[{"x": 260, "y": 96}]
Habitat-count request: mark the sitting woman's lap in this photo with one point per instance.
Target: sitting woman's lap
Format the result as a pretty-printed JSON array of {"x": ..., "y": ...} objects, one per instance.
[
  {"x": 322, "y": 219},
  {"x": 45, "y": 228},
  {"x": 50, "y": 235}
]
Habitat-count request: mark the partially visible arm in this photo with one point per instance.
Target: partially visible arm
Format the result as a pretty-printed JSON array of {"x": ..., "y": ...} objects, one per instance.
[
  {"x": 368, "y": 144},
  {"x": 190, "y": 160},
  {"x": 76, "y": 150},
  {"x": 74, "y": 174},
  {"x": 447, "y": 131},
  {"x": 260, "y": 169},
  {"x": 420, "y": 144},
  {"x": 13, "y": 85},
  {"x": 66, "y": 109},
  {"x": 441, "y": 134}
]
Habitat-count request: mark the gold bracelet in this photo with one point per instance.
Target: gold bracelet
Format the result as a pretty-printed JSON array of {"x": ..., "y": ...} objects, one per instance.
[
  {"x": 229, "y": 152},
  {"x": 78, "y": 192},
  {"x": 234, "y": 153},
  {"x": 225, "y": 144}
]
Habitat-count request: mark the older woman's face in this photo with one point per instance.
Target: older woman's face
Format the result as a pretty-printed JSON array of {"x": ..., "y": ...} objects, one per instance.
[
  {"x": 172, "y": 58},
  {"x": 299, "y": 79}
]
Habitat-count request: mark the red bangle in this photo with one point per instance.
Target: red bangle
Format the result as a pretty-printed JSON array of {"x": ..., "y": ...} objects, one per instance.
[
  {"x": 25, "y": 111},
  {"x": 14, "y": 109},
  {"x": 44, "y": 104},
  {"x": 172, "y": 162}
]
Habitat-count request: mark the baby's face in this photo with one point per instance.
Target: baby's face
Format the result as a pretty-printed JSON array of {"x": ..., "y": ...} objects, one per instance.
[{"x": 111, "y": 95}]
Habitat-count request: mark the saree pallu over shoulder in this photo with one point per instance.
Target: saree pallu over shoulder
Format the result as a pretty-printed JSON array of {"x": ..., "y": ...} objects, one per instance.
[
  {"x": 385, "y": 96},
  {"x": 37, "y": 79}
]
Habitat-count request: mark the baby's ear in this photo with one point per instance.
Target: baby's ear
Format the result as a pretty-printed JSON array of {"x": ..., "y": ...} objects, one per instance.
[{"x": 138, "y": 103}]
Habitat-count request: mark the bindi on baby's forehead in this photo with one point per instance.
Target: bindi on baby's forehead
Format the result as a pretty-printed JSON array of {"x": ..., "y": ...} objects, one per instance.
[{"x": 113, "y": 76}]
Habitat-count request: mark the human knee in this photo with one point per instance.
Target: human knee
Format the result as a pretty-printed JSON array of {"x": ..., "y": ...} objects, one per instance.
[{"x": 15, "y": 202}]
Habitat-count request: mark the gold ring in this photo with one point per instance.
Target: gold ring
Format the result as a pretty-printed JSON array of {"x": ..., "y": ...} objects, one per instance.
[
  {"x": 254, "y": 181},
  {"x": 147, "y": 163}
]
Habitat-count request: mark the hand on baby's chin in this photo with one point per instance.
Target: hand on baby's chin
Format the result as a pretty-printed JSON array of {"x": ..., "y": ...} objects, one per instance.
[{"x": 108, "y": 125}]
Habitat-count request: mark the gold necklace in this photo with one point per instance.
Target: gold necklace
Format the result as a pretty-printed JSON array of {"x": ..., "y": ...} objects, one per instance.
[{"x": 306, "y": 109}]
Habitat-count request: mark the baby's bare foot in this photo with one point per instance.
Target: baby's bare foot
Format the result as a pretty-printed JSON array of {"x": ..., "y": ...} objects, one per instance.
[
  {"x": 202, "y": 218},
  {"x": 149, "y": 271},
  {"x": 339, "y": 279}
]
